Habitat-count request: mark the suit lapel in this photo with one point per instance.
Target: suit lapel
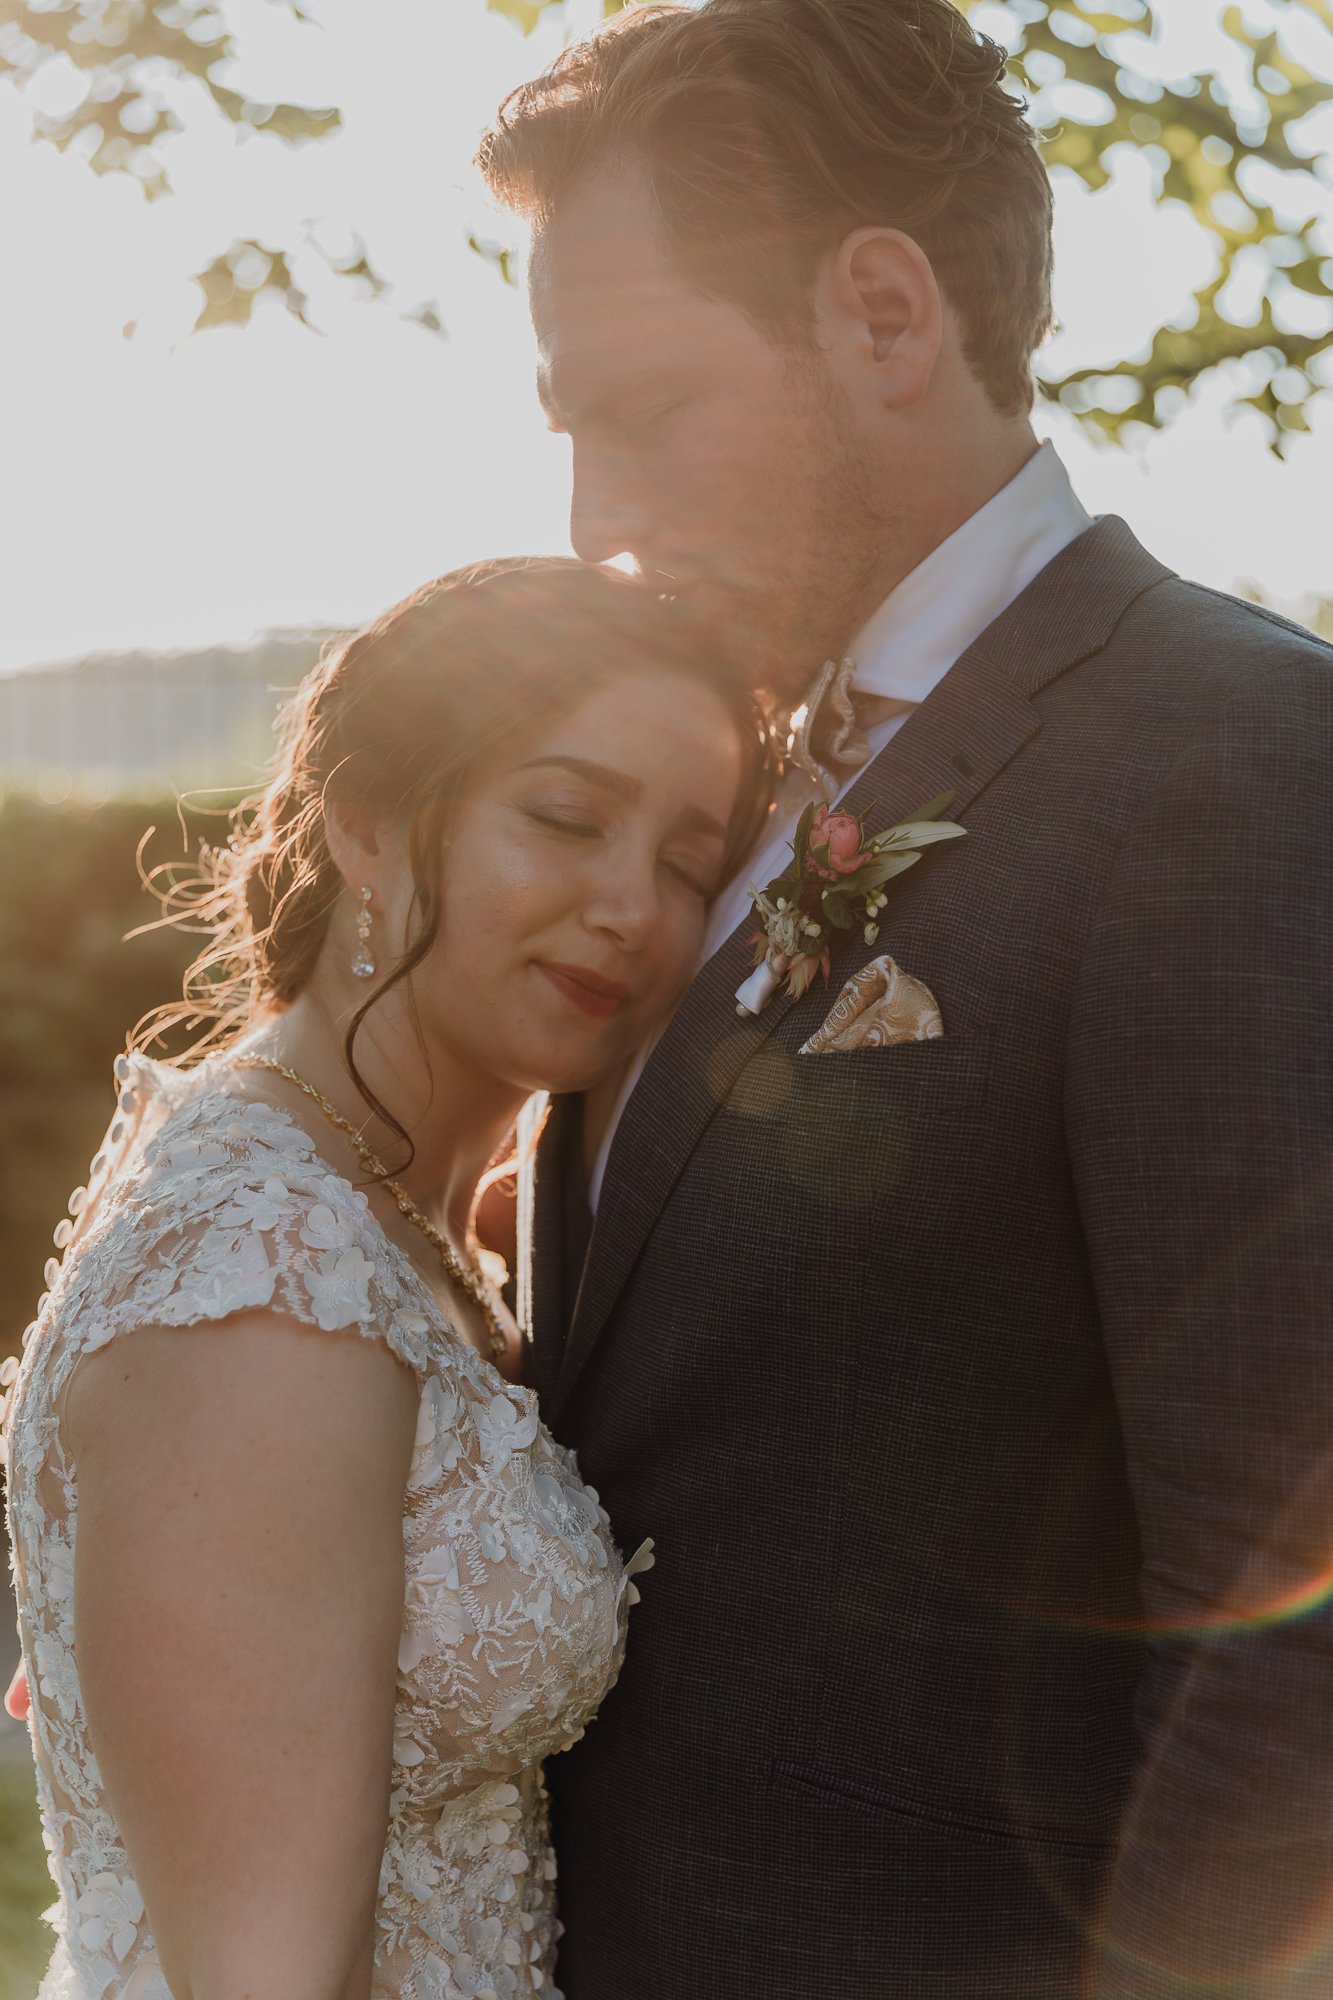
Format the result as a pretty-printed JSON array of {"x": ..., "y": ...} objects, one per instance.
[{"x": 978, "y": 718}]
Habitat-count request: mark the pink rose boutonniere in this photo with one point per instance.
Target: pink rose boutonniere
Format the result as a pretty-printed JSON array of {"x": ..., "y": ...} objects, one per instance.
[
  {"x": 835, "y": 885},
  {"x": 835, "y": 845}
]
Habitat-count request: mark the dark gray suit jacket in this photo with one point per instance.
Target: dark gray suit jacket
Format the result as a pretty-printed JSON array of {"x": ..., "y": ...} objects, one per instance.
[{"x": 979, "y": 1392}]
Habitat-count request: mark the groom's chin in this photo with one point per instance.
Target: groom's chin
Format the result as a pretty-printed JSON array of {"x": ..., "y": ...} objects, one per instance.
[
  {"x": 773, "y": 639},
  {"x": 755, "y": 645}
]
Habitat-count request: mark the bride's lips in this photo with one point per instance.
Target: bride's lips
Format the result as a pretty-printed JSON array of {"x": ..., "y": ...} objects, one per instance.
[{"x": 602, "y": 998}]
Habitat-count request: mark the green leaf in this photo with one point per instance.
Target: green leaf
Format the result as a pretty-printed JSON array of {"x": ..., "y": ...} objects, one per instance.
[
  {"x": 426, "y": 315},
  {"x": 290, "y": 122},
  {"x": 499, "y": 254},
  {"x": 921, "y": 832},
  {"x": 876, "y": 873},
  {"x": 1197, "y": 136},
  {"x": 837, "y": 911},
  {"x": 526, "y": 13},
  {"x": 228, "y": 302}
]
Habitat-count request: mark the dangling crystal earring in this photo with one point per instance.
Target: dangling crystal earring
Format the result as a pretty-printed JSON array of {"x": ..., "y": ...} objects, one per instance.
[{"x": 363, "y": 959}]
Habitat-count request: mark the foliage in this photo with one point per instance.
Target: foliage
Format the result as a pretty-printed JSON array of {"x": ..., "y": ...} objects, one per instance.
[
  {"x": 1230, "y": 151},
  {"x": 147, "y": 66},
  {"x": 131, "y": 51},
  {"x": 25, "y": 1885},
  {"x": 1229, "y": 156},
  {"x": 527, "y": 13},
  {"x": 70, "y": 990}
]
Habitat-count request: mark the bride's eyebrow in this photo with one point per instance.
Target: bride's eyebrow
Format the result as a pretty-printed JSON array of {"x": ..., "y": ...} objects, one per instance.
[{"x": 617, "y": 783}]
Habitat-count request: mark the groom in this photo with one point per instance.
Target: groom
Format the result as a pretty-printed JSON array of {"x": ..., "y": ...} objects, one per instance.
[{"x": 978, "y": 1390}]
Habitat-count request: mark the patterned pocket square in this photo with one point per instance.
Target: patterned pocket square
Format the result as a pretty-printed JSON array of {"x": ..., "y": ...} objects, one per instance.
[{"x": 879, "y": 1004}]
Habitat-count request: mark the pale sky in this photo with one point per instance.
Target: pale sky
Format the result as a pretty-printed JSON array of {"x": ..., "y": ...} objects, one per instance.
[{"x": 169, "y": 491}]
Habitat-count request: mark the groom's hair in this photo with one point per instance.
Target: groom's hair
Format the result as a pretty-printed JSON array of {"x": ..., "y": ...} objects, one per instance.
[{"x": 768, "y": 129}]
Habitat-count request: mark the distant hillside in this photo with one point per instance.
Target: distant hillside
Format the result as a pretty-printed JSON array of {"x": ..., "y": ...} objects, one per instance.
[
  {"x": 147, "y": 722},
  {"x": 141, "y": 724}
]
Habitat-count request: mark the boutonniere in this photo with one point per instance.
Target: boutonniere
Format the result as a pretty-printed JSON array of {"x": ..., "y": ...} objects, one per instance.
[{"x": 835, "y": 885}]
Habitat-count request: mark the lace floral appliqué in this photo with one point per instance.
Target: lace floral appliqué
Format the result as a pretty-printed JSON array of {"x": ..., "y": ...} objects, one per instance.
[{"x": 203, "y": 1204}]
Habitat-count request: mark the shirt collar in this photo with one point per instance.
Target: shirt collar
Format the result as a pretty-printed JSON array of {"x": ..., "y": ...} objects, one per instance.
[{"x": 938, "y": 610}]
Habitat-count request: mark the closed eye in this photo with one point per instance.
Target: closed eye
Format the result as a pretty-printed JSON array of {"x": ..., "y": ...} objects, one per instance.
[
  {"x": 565, "y": 823},
  {"x": 692, "y": 881}
]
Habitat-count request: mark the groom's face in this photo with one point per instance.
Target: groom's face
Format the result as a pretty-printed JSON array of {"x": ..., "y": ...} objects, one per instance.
[{"x": 726, "y": 467}]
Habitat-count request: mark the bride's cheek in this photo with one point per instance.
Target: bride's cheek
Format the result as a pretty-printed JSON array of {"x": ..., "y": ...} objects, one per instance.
[{"x": 531, "y": 873}]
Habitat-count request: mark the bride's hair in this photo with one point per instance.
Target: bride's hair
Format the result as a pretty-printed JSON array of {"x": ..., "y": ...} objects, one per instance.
[{"x": 392, "y": 723}]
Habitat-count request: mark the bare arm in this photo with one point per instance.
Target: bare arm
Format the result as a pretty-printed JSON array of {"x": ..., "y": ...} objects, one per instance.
[{"x": 238, "y": 1603}]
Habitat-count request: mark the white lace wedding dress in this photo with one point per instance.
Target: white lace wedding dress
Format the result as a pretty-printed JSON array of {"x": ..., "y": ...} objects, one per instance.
[{"x": 203, "y": 1203}]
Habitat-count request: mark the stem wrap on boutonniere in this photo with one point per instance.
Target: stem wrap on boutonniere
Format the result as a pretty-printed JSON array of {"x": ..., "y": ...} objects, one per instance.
[{"x": 835, "y": 885}]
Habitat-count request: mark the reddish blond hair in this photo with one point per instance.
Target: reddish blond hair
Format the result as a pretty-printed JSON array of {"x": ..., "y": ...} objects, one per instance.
[{"x": 770, "y": 128}]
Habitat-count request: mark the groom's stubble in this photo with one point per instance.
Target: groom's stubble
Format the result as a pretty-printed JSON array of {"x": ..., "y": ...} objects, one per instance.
[{"x": 732, "y": 469}]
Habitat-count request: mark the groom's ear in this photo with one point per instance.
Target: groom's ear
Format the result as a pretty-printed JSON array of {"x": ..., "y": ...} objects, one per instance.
[{"x": 884, "y": 315}]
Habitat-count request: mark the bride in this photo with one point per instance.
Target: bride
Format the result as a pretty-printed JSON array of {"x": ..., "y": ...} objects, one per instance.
[{"x": 306, "y": 1592}]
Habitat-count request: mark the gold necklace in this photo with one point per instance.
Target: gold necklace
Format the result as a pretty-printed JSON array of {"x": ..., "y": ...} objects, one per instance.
[{"x": 467, "y": 1276}]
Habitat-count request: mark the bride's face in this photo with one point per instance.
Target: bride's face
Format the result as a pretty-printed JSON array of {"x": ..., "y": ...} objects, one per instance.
[{"x": 576, "y": 885}]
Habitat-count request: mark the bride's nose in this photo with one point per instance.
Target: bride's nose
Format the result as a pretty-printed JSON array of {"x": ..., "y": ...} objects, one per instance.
[{"x": 623, "y": 899}]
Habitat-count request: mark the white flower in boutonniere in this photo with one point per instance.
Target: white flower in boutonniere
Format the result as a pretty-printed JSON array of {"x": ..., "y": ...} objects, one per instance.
[{"x": 835, "y": 885}]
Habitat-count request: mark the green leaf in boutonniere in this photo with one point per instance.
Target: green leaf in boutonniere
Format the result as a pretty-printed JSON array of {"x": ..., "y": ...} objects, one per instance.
[
  {"x": 836, "y": 882},
  {"x": 883, "y": 869},
  {"x": 916, "y": 833}
]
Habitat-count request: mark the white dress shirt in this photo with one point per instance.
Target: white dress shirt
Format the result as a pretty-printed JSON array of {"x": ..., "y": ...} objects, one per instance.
[{"x": 906, "y": 648}]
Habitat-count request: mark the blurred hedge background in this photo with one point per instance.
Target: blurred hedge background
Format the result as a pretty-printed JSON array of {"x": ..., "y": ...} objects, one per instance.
[
  {"x": 80, "y": 747},
  {"x": 70, "y": 988},
  {"x": 99, "y": 757}
]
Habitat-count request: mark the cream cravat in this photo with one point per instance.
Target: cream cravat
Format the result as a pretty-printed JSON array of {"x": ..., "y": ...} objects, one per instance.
[{"x": 828, "y": 742}]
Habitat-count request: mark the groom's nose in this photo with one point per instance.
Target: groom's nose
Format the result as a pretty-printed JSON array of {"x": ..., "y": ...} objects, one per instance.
[{"x": 607, "y": 515}]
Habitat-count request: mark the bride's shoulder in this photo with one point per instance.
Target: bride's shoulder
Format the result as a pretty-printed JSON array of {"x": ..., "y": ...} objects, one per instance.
[
  {"x": 213, "y": 1202},
  {"x": 188, "y": 1145}
]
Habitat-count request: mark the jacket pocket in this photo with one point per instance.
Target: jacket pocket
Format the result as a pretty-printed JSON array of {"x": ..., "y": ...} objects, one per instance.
[{"x": 948, "y": 1072}]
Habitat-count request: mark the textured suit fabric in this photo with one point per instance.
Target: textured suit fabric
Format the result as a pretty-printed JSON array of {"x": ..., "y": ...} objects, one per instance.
[{"x": 978, "y": 1392}]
